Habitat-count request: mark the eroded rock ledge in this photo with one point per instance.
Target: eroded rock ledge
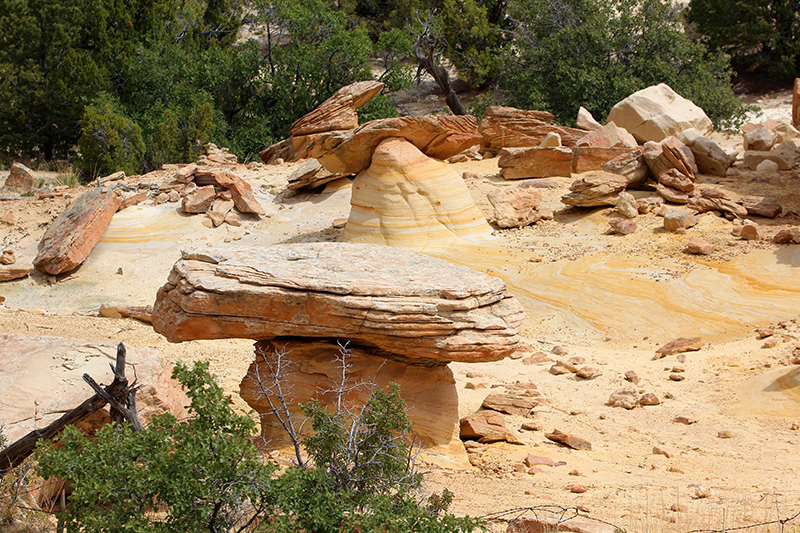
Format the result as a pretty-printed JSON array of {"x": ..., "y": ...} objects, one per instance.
[{"x": 400, "y": 302}]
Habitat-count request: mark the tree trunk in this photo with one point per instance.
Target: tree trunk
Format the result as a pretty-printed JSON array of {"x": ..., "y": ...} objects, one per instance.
[{"x": 423, "y": 50}]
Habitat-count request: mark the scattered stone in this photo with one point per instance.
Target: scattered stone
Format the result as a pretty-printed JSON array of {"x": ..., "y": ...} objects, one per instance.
[
  {"x": 8, "y": 256},
  {"x": 650, "y": 204},
  {"x": 767, "y": 167},
  {"x": 531, "y": 460},
  {"x": 752, "y": 232},
  {"x": 699, "y": 491},
  {"x": 185, "y": 174},
  {"x": 659, "y": 451},
  {"x": 675, "y": 219},
  {"x": 699, "y": 246},
  {"x": 672, "y": 195},
  {"x": 563, "y": 367},
  {"x": 359, "y": 292},
  {"x": 217, "y": 155},
  {"x": 759, "y": 205},
  {"x": 8, "y": 219},
  {"x": 631, "y": 376},
  {"x": 679, "y": 345},
  {"x": 117, "y": 310},
  {"x": 559, "y": 349},
  {"x": 519, "y": 403},
  {"x": 627, "y": 205},
  {"x": 725, "y": 434},
  {"x": 540, "y": 523},
  {"x": 658, "y": 112},
  {"x": 649, "y": 399},
  {"x": 552, "y": 140},
  {"x": 674, "y": 179},
  {"x": 199, "y": 200},
  {"x": 486, "y": 427},
  {"x": 595, "y": 189},
  {"x": 531, "y": 426},
  {"x": 577, "y": 489},
  {"x": 783, "y": 156},
  {"x": 586, "y": 372},
  {"x": 686, "y": 420},
  {"x": 517, "y": 207},
  {"x": 678, "y": 508},
  {"x": 15, "y": 271},
  {"x": 786, "y": 236},
  {"x": 622, "y": 226},
  {"x": 21, "y": 179},
  {"x": 589, "y": 158},
  {"x": 759, "y": 140},
  {"x": 572, "y": 441},
  {"x": 626, "y": 398},
  {"x": 70, "y": 239},
  {"x": 771, "y": 343},
  {"x": 677, "y": 377},
  {"x": 536, "y": 358}
]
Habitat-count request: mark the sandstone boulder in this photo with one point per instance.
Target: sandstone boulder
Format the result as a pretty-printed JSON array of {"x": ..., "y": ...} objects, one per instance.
[
  {"x": 402, "y": 303},
  {"x": 588, "y": 158},
  {"x": 595, "y": 189},
  {"x": 15, "y": 270},
  {"x": 515, "y": 208},
  {"x": 513, "y": 402},
  {"x": 339, "y": 111},
  {"x": 679, "y": 345},
  {"x": 631, "y": 164},
  {"x": 241, "y": 192},
  {"x": 658, "y": 112},
  {"x": 759, "y": 140},
  {"x": 627, "y": 205},
  {"x": 199, "y": 200},
  {"x": 21, "y": 179},
  {"x": 429, "y": 391},
  {"x": 759, "y": 205},
  {"x": 535, "y": 162},
  {"x": 675, "y": 179},
  {"x": 350, "y": 152},
  {"x": 710, "y": 158},
  {"x": 679, "y": 219},
  {"x": 409, "y": 200},
  {"x": 508, "y": 127},
  {"x": 783, "y": 156},
  {"x": 42, "y": 380},
  {"x": 486, "y": 427},
  {"x": 70, "y": 239},
  {"x": 670, "y": 153}
]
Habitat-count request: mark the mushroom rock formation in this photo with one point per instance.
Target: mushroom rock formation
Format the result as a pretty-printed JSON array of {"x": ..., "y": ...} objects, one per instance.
[
  {"x": 408, "y": 200},
  {"x": 402, "y": 303},
  {"x": 350, "y": 152},
  {"x": 316, "y": 371}
]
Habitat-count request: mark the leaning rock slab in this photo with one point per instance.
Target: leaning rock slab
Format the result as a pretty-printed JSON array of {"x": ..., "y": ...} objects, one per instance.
[
  {"x": 408, "y": 200},
  {"x": 314, "y": 373},
  {"x": 350, "y": 152},
  {"x": 595, "y": 189},
  {"x": 42, "y": 380},
  {"x": 339, "y": 111},
  {"x": 657, "y": 112},
  {"x": 71, "y": 237},
  {"x": 400, "y": 302}
]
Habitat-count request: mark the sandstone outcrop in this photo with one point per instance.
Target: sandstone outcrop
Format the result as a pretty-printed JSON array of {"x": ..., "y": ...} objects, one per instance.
[
  {"x": 409, "y": 200},
  {"x": 42, "y": 380},
  {"x": 535, "y": 162},
  {"x": 508, "y": 127},
  {"x": 402, "y": 303},
  {"x": 339, "y": 111},
  {"x": 658, "y": 112},
  {"x": 594, "y": 189},
  {"x": 316, "y": 373},
  {"x": 350, "y": 152},
  {"x": 71, "y": 237}
]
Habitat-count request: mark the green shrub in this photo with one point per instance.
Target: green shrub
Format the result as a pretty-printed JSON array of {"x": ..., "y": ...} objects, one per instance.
[
  {"x": 594, "y": 53},
  {"x": 109, "y": 142}
]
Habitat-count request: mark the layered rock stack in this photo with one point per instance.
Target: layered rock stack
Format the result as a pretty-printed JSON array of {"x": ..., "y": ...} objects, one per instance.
[{"x": 404, "y": 315}]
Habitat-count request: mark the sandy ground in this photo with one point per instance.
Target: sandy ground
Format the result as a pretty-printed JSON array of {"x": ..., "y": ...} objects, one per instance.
[{"x": 609, "y": 300}]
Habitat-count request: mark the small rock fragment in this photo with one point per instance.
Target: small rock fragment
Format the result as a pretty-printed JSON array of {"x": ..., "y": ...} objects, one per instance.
[
  {"x": 725, "y": 434},
  {"x": 679, "y": 345},
  {"x": 687, "y": 420},
  {"x": 699, "y": 246},
  {"x": 631, "y": 376},
  {"x": 622, "y": 226},
  {"x": 572, "y": 441},
  {"x": 649, "y": 399}
]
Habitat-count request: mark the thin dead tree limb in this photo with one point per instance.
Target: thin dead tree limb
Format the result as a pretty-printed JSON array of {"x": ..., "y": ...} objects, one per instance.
[
  {"x": 122, "y": 397},
  {"x": 424, "y": 50}
]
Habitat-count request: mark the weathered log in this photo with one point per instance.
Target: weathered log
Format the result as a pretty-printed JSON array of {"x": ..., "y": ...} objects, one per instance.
[{"x": 122, "y": 397}]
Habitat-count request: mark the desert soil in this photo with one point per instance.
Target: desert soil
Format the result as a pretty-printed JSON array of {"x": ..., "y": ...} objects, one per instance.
[{"x": 610, "y": 300}]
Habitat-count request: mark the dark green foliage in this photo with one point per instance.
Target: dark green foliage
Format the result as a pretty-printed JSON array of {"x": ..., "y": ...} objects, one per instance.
[
  {"x": 762, "y": 36},
  {"x": 594, "y": 53},
  {"x": 109, "y": 142},
  {"x": 203, "y": 474}
]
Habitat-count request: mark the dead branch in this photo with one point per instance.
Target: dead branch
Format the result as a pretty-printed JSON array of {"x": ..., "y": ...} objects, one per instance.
[{"x": 118, "y": 394}]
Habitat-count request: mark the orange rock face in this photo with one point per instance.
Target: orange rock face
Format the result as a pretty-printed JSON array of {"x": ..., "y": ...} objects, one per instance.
[
  {"x": 351, "y": 151},
  {"x": 408, "y": 200},
  {"x": 429, "y": 391},
  {"x": 403, "y": 303},
  {"x": 71, "y": 237}
]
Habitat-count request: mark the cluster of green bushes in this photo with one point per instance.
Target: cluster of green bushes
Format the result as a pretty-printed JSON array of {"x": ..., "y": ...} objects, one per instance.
[
  {"x": 206, "y": 474},
  {"x": 138, "y": 83}
]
